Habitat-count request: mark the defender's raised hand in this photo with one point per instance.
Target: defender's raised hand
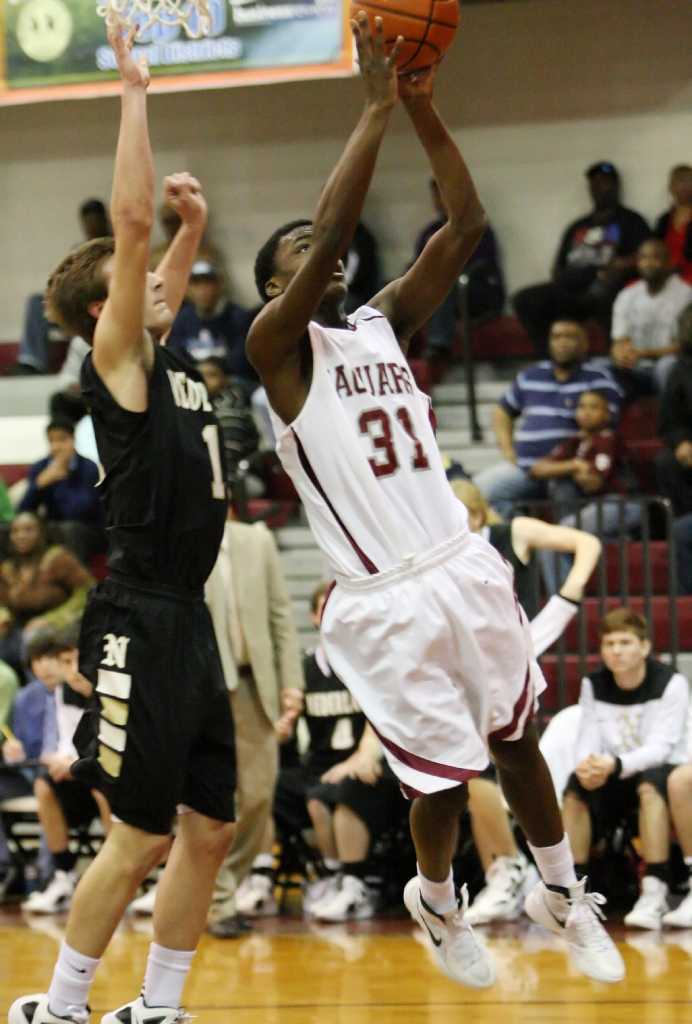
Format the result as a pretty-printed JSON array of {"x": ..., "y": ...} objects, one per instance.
[
  {"x": 377, "y": 68},
  {"x": 121, "y": 37},
  {"x": 183, "y": 193}
]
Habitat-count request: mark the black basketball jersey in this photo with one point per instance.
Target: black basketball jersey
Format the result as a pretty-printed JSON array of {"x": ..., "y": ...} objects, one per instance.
[
  {"x": 526, "y": 577},
  {"x": 163, "y": 476},
  {"x": 334, "y": 720}
]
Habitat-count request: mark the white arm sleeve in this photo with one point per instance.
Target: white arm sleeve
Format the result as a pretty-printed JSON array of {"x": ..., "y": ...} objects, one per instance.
[
  {"x": 551, "y": 622},
  {"x": 667, "y": 727}
]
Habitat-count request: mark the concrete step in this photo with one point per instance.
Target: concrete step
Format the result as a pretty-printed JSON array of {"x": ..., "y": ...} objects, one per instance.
[
  {"x": 452, "y": 392},
  {"x": 26, "y": 396},
  {"x": 450, "y": 417},
  {"x": 304, "y": 563},
  {"x": 294, "y": 537},
  {"x": 301, "y": 588}
]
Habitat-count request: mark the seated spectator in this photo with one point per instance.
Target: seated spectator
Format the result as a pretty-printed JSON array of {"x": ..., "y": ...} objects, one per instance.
[
  {"x": 341, "y": 788},
  {"x": 67, "y": 403},
  {"x": 63, "y": 486},
  {"x": 40, "y": 585},
  {"x": 18, "y": 769},
  {"x": 674, "y": 464},
  {"x": 238, "y": 428},
  {"x": 38, "y": 332},
  {"x": 486, "y": 287},
  {"x": 595, "y": 260},
  {"x": 211, "y": 325},
  {"x": 632, "y": 734},
  {"x": 675, "y": 225},
  {"x": 587, "y": 466},
  {"x": 362, "y": 268},
  {"x": 63, "y": 802},
  {"x": 645, "y": 317},
  {"x": 544, "y": 397}
]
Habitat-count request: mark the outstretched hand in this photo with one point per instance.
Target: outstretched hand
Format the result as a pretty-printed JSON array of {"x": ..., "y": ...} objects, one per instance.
[
  {"x": 183, "y": 193},
  {"x": 377, "y": 68},
  {"x": 121, "y": 37}
]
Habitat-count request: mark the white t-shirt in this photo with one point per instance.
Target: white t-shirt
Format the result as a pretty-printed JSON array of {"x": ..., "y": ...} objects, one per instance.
[{"x": 650, "y": 320}]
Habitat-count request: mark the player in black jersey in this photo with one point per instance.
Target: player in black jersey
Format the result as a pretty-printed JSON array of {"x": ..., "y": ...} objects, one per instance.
[{"x": 163, "y": 736}]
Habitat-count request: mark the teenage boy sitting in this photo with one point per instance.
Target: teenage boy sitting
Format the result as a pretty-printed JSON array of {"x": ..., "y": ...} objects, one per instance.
[
  {"x": 632, "y": 734},
  {"x": 62, "y": 801}
]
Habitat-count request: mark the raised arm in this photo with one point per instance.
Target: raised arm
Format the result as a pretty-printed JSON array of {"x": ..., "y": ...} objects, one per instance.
[
  {"x": 120, "y": 343},
  {"x": 410, "y": 301},
  {"x": 182, "y": 193},
  {"x": 275, "y": 336}
]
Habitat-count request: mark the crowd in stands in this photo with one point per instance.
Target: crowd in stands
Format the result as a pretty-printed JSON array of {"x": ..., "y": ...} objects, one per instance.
[{"x": 311, "y": 775}]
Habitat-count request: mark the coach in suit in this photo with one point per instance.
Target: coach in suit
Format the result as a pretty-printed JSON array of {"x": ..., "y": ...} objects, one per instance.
[{"x": 258, "y": 643}]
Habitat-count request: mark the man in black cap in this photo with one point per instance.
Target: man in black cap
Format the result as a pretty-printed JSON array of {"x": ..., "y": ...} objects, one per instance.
[
  {"x": 595, "y": 259},
  {"x": 211, "y": 326}
]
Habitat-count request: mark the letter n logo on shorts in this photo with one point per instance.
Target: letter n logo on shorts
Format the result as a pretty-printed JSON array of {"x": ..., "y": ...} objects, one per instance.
[
  {"x": 114, "y": 650},
  {"x": 113, "y": 689}
]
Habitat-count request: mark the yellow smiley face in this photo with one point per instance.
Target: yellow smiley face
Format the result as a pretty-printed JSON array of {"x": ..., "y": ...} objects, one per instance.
[{"x": 44, "y": 29}]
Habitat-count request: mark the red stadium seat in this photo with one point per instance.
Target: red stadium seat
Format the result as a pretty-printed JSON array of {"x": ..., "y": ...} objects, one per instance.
[
  {"x": 660, "y": 622},
  {"x": 9, "y": 350},
  {"x": 551, "y": 700},
  {"x": 638, "y": 420},
  {"x": 641, "y": 457},
  {"x": 501, "y": 338},
  {"x": 634, "y": 555},
  {"x": 12, "y": 473}
]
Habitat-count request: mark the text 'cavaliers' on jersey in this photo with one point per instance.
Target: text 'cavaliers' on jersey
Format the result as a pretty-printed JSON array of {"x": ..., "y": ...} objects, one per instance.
[
  {"x": 163, "y": 486},
  {"x": 362, "y": 452}
]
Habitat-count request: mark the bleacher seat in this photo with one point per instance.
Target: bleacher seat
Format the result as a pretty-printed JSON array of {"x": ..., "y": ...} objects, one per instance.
[
  {"x": 638, "y": 420},
  {"x": 552, "y": 700},
  {"x": 636, "y": 575},
  {"x": 641, "y": 458}
]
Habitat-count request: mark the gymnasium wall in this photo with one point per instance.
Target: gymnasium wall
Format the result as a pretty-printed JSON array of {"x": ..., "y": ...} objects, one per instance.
[{"x": 533, "y": 91}]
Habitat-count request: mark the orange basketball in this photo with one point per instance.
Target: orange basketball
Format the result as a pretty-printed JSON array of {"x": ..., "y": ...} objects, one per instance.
[{"x": 428, "y": 28}]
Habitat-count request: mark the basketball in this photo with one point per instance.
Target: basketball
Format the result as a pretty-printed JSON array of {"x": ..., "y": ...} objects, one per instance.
[{"x": 428, "y": 28}]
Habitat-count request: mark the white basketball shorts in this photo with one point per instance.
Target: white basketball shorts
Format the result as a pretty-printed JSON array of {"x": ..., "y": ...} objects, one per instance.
[{"x": 438, "y": 654}]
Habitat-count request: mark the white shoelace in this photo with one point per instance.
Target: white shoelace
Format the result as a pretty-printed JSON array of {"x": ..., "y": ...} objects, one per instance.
[{"x": 587, "y": 920}]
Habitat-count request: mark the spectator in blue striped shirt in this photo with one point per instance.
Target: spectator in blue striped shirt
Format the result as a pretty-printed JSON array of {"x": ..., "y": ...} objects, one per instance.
[{"x": 543, "y": 398}]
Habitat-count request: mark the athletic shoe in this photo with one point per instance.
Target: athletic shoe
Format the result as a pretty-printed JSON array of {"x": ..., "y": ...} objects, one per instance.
[
  {"x": 452, "y": 942},
  {"x": 34, "y": 1010},
  {"x": 138, "y": 1012},
  {"x": 144, "y": 905},
  {"x": 255, "y": 895},
  {"x": 576, "y": 918},
  {"x": 352, "y": 901},
  {"x": 502, "y": 899},
  {"x": 681, "y": 917},
  {"x": 651, "y": 906},
  {"x": 318, "y": 891},
  {"x": 56, "y": 897}
]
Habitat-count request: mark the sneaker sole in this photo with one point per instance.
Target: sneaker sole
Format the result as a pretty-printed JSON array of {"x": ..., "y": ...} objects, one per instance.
[{"x": 411, "y": 903}]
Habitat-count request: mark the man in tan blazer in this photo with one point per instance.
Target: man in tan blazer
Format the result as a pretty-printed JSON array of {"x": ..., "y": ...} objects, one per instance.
[{"x": 258, "y": 643}]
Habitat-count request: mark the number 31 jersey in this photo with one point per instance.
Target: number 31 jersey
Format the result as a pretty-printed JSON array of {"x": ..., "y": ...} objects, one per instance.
[
  {"x": 162, "y": 485},
  {"x": 362, "y": 452}
]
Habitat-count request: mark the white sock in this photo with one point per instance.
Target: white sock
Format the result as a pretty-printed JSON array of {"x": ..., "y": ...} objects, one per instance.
[
  {"x": 71, "y": 981},
  {"x": 167, "y": 971},
  {"x": 555, "y": 863},
  {"x": 263, "y": 862},
  {"x": 332, "y": 865},
  {"x": 440, "y": 896}
]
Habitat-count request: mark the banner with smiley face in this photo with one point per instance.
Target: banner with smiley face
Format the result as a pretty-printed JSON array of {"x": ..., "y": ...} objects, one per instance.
[{"x": 57, "y": 49}]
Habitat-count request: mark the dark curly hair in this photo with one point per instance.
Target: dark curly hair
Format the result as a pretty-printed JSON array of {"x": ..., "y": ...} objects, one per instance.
[{"x": 264, "y": 261}]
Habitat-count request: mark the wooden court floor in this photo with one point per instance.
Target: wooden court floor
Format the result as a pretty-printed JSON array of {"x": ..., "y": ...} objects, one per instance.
[{"x": 288, "y": 972}]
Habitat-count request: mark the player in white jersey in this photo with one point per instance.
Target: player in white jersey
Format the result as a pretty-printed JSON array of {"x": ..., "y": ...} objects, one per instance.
[{"x": 423, "y": 625}]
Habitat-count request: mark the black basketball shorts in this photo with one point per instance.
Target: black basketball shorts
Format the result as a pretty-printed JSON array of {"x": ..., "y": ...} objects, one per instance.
[{"x": 159, "y": 733}]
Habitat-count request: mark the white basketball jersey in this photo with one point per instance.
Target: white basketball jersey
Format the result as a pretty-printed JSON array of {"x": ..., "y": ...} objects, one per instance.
[{"x": 362, "y": 452}]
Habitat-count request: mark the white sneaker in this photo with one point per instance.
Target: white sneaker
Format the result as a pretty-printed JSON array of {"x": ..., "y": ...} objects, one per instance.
[
  {"x": 352, "y": 901},
  {"x": 502, "y": 899},
  {"x": 144, "y": 905},
  {"x": 318, "y": 891},
  {"x": 452, "y": 942},
  {"x": 56, "y": 897},
  {"x": 255, "y": 896},
  {"x": 681, "y": 917},
  {"x": 138, "y": 1012},
  {"x": 651, "y": 906},
  {"x": 576, "y": 918},
  {"x": 34, "y": 1010}
]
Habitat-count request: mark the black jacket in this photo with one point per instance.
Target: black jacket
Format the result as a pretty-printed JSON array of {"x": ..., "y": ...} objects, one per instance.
[
  {"x": 675, "y": 410},
  {"x": 661, "y": 230}
]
